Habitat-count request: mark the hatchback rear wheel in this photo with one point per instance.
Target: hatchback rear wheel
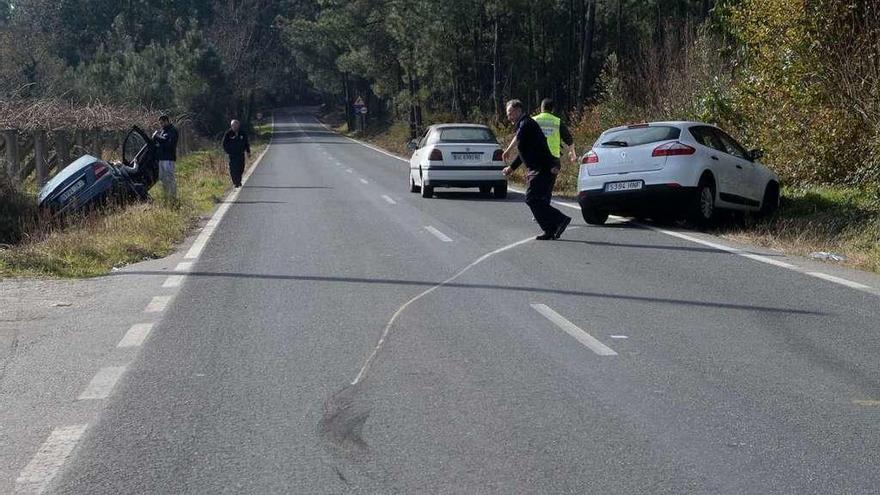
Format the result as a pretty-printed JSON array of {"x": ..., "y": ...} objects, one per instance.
[
  {"x": 703, "y": 210},
  {"x": 594, "y": 217}
]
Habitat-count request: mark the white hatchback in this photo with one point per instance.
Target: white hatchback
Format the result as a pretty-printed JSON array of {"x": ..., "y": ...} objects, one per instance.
[
  {"x": 457, "y": 155},
  {"x": 673, "y": 169}
]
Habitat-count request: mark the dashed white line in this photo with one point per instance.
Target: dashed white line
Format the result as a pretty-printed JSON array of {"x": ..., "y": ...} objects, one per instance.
[
  {"x": 184, "y": 266},
  {"x": 136, "y": 335},
  {"x": 619, "y": 337},
  {"x": 349, "y": 170},
  {"x": 439, "y": 235},
  {"x": 570, "y": 328},
  {"x": 37, "y": 475},
  {"x": 388, "y": 199},
  {"x": 364, "y": 181},
  {"x": 102, "y": 383},
  {"x": 158, "y": 304},
  {"x": 173, "y": 281}
]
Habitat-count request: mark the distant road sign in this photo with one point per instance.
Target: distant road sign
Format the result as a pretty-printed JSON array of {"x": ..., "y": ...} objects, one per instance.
[{"x": 359, "y": 102}]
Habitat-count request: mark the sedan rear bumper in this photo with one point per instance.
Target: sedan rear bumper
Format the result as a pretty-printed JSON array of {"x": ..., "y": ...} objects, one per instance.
[{"x": 652, "y": 199}]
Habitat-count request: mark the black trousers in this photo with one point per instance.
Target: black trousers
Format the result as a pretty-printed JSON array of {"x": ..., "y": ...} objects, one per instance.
[
  {"x": 236, "y": 168},
  {"x": 538, "y": 196}
]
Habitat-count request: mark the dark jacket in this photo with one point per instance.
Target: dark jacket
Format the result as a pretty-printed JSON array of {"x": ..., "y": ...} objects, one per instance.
[
  {"x": 166, "y": 142},
  {"x": 532, "y": 147},
  {"x": 236, "y": 144}
]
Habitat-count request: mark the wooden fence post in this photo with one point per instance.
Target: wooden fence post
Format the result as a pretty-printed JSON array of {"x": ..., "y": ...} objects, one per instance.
[
  {"x": 62, "y": 148},
  {"x": 40, "y": 157},
  {"x": 97, "y": 143},
  {"x": 12, "y": 158},
  {"x": 79, "y": 142}
]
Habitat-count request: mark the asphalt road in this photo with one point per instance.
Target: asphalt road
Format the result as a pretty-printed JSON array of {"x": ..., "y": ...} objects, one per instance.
[{"x": 733, "y": 377}]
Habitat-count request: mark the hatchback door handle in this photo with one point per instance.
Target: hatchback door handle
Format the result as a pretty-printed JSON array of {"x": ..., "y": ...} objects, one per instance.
[
  {"x": 739, "y": 167},
  {"x": 714, "y": 157}
]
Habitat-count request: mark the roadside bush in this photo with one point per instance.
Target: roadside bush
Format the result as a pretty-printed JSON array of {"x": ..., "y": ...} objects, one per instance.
[{"x": 17, "y": 211}]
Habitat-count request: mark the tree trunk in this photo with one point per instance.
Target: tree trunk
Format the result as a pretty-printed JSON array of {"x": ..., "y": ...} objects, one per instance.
[
  {"x": 586, "y": 52},
  {"x": 496, "y": 68}
]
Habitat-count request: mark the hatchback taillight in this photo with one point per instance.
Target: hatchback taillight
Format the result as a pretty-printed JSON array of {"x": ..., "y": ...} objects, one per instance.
[
  {"x": 100, "y": 170},
  {"x": 498, "y": 156},
  {"x": 591, "y": 158},
  {"x": 436, "y": 156},
  {"x": 673, "y": 149}
]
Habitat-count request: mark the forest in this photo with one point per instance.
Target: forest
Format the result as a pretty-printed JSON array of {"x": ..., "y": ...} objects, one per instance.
[{"x": 797, "y": 78}]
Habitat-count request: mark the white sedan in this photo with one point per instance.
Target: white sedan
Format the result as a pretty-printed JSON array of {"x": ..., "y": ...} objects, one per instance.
[
  {"x": 457, "y": 155},
  {"x": 671, "y": 169}
]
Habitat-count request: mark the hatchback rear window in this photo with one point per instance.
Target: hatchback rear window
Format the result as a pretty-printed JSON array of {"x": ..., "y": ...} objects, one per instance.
[
  {"x": 467, "y": 135},
  {"x": 639, "y": 135}
]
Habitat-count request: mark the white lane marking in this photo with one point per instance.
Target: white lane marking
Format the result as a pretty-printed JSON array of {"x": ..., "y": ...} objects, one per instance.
[
  {"x": 102, "y": 383},
  {"x": 136, "y": 335},
  {"x": 439, "y": 235},
  {"x": 173, "y": 281},
  {"x": 202, "y": 240},
  {"x": 158, "y": 304},
  {"x": 349, "y": 170},
  {"x": 184, "y": 266},
  {"x": 401, "y": 309},
  {"x": 838, "y": 280},
  {"x": 47, "y": 462},
  {"x": 388, "y": 199},
  {"x": 619, "y": 337},
  {"x": 570, "y": 328},
  {"x": 738, "y": 252},
  {"x": 364, "y": 181}
]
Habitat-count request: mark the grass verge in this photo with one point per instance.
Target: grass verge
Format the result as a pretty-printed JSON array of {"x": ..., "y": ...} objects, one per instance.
[
  {"x": 93, "y": 244},
  {"x": 840, "y": 220}
]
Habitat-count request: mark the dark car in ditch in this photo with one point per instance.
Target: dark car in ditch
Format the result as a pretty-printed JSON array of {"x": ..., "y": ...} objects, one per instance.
[{"x": 90, "y": 182}]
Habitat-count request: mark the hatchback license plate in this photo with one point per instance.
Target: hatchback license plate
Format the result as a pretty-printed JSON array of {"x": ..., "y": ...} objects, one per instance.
[
  {"x": 467, "y": 156},
  {"x": 632, "y": 185}
]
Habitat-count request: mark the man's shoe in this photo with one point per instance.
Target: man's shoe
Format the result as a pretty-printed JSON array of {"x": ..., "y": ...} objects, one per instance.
[
  {"x": 546, "y": 236},
  {"x": 562, "y": 226}
]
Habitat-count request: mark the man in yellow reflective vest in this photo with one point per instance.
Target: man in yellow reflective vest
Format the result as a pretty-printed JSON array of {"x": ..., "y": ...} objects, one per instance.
[{"x": 556, "y": 133}]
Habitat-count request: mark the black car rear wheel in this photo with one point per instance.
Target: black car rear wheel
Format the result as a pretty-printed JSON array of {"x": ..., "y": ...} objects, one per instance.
[{"x": 594, "y": 217}]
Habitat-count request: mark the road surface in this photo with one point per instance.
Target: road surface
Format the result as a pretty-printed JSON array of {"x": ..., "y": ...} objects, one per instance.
[{"x": 338, "y": 334}]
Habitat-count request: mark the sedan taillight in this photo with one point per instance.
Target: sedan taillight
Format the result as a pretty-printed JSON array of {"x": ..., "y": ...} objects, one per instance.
[
  {"x": 673, "y": 149},
  {"x": 100, "y": 170},
  {"x": 436, "y": 155},
  {"x": 498, "y": 156},
  {"x": 591, "y": 158}
]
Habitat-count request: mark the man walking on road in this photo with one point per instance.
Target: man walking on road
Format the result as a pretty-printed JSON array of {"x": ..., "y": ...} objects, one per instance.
[
  {"x": 542, "y": 169},
  {"x": 236, "y": 144},
  {"x": 166, "y": 142}
]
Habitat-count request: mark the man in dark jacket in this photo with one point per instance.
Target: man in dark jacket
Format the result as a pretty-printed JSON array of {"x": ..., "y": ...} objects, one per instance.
[
  {"x": 236, "y": 144},
  {"x": 166, "y": 155},
  {"x": 531, "y": 144}
]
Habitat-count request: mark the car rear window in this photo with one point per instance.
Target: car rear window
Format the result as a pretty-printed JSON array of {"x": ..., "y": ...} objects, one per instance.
[
  {"x": 636, "y": 136},
  {"x": 467, "y": 135}
]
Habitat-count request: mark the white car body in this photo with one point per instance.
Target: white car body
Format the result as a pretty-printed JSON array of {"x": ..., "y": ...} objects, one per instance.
[
  {"x": 672, "y": 167},
  {"x": 457, "y": 155}
]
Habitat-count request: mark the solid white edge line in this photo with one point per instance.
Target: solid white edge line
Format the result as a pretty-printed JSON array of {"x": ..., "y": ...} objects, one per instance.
[
  {"x": 158, "y": 304},
  {"x": 47, "y": 462},
  {"x": 388, "y": 199},
  {"x": 720, "y": 247},
  {"x": 102, "y": 383},
  {"x": 439, "y": 235},
  {"x": 136, "y": 335},
  {"x": 364, "y": 181},
  {"x": 173, "y": 281},
  {"x": 838, "y": 280},
  {"x": 570, "y": 328}
]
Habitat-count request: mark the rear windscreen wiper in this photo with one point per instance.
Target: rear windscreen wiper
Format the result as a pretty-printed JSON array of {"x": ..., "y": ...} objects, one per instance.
[{"x": 620, "y": 144}]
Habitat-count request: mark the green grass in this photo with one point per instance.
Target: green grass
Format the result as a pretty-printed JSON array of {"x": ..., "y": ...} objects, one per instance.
[{"x": 93, "y": 244}]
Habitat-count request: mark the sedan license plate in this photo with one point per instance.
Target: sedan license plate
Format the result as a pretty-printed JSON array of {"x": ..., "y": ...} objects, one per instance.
[
  {"x": 632, "y": 185},
  {"x": 75, "y": 188},
  {"x": 466, "y": 156}
]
